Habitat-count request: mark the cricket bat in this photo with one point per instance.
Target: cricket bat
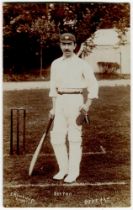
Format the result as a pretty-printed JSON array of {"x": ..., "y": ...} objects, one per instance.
[{"x": 37, "y": 151}]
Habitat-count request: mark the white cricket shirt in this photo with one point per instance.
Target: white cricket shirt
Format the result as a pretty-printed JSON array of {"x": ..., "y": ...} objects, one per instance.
[{"x": 72, "y": 72}]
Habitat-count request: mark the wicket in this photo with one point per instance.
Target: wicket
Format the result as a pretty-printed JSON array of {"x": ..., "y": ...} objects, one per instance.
[{"x": 18, "y": 116}]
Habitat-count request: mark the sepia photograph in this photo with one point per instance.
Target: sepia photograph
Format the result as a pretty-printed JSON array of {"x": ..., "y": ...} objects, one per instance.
[{"x": 66, "y": 104}]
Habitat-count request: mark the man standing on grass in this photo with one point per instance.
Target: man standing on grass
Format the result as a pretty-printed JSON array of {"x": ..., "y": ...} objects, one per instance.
[{"x": 69, "y": 75}]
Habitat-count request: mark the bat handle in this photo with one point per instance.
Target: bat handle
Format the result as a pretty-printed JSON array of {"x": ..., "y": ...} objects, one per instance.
[{"x": 49, "y": 124}]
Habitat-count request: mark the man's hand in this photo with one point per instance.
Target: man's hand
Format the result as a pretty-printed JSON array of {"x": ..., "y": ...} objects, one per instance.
[
  {"x": 83, "y": 117},
  {"x": 52, "y": 113},
  {"x": 84, "y": 108}
]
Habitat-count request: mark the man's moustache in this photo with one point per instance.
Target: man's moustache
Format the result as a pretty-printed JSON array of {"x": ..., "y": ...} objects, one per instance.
[{"x": 67, "y": 51}]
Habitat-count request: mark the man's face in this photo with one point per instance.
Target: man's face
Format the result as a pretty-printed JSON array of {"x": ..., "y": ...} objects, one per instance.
[{"x": 67, "y": 48}]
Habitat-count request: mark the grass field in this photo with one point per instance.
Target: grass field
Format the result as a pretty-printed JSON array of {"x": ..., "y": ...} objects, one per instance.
[{"x": 105, "y": 168}]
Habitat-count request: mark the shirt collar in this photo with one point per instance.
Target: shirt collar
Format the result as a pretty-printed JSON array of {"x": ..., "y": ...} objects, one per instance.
[{"x": 64, "y": 58}]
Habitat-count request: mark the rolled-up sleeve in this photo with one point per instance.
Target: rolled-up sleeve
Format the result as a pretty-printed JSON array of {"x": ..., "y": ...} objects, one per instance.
[
  {"x": 52, "y": 92},
  {"x": 92, "y": 84}
]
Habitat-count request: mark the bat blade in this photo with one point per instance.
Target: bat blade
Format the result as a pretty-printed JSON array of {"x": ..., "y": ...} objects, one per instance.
[
  {"x": 36, "y": 154},
  {"x": 38, "y": 149}
]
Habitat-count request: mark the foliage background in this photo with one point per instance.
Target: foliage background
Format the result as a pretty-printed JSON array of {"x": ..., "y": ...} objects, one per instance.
[{"x": 31, "y": 30}]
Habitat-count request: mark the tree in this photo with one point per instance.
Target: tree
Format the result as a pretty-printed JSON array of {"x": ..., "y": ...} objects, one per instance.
[
  {"x": 43, "y": 22},
  {"x": 31, "y": 20},
  {"x": 85, "y": 18},
  {"x": 45, "y": 30}
]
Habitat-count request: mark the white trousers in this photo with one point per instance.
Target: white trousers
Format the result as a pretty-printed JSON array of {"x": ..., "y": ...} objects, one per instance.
[{"x": 67, "y": 111}]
